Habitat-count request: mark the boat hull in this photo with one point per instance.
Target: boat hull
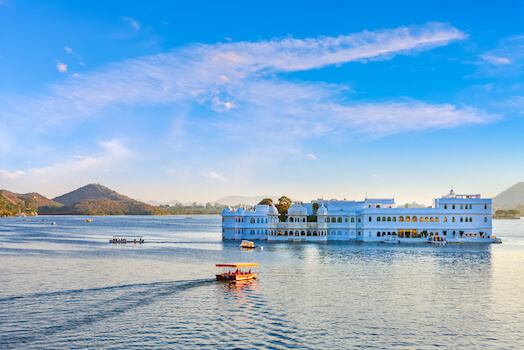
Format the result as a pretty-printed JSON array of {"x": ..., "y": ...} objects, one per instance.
[{"x": 235, "y": 278}]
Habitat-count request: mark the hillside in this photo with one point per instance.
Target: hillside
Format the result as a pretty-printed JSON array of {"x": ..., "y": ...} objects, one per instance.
[
  {"x": 14, "y": 203},
  {"x": 95, "y": 199},
  {"x": 33, "y": 198},
  {"x": 510, "y": 198},
  {"x": 89, "y": 192}
]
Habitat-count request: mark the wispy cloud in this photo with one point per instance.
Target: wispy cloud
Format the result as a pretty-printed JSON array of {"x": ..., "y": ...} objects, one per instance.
[
  {"x": 497, "y": 61},
  {"x": 133, "y": 23},
  {"x": 13, "y": 175},
  {"x": 239, "y": 85},
  {"x": 215, "y": 176},
  {"x": 311, "y": 156},
  {"x": 61, "y": 67}
]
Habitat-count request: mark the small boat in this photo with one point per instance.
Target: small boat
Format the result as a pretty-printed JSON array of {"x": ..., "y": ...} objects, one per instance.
[
  {"x": 126, "y": 239},
  {"x": 53, "y": 223},
  {"x": 390, "y": 239},
  {"x": 240, "y": 274},
  {"x": 247, "y": 244},
  {"x": 437, "y": 240},
  {"x": 189, "y": 217},
  {"x": 89, "y": 220}
]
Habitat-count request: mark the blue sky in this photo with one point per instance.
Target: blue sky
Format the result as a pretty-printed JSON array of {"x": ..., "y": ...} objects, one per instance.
[{"x": 198, "y": 100}]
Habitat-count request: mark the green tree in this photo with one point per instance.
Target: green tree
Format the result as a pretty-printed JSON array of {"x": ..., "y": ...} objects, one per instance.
[
  {"x": 285, "y": 200},
  {"x": 266, "y": 201}
]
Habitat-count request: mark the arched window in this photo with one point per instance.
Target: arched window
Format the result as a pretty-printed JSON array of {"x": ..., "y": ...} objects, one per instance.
[
  {"x": 431, "y": 219},
  {"x": 333, "y": 220},
  {"x": 436, "y": 219},
  {"x": 369, "y": 219},
  {"x": 378, "y": 234},
  {"x": 485, "y": 206},
  {"x": 445, "y": 219},
  {"x": 303, "y": 219},
  {"x": 426, "y": 219},
  {"x": 252, "y": 232},
  {"x": 414, "y": 219},
  {"x": 453, "y": 206},
  {"x": 339, "y": 219},
  {"x": 378, "y": 206},
  {"x": 290, "y": 219},
  {"x": 445, "y": 206},
  {"x": 408, "y": 219},
  {"x": 378, "y": 218},
  {"x": 346, "y": 219},
  {"x": 461, "y": 220},
  {"x": 470, "y": 219},
  {"x": 401, "y": 218},
  {"x": 453, "y": 219},
  {"x": 485, "y": 219},
  {"x": 394, "y": 219},
  {"x": 383, "y": 218},
  {"x": 352, "y": 219},
  {"x": 389, "y": 218},
  {"x": 252, "y": 221},
  {"x": 461, "y": 206}
]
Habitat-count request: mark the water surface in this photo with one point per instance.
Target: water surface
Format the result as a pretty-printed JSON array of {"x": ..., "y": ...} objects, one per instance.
[{"x": 65, "y": 287}]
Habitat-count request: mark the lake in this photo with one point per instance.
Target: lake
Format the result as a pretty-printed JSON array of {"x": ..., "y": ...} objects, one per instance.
[{"x": 64, "y": 286}]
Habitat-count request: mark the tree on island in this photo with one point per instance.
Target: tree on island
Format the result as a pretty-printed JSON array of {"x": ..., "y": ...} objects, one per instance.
[{"x": 266, "y": 201}]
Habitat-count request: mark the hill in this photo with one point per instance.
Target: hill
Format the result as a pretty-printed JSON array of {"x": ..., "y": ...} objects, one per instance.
[
  {"x": 235, "y": 200},
  {"x": 510, "y": 198},
  {"x": 95, "y": 199},
  {"x": 89, "y": 192},
  {"x": 14, "y": 203}
]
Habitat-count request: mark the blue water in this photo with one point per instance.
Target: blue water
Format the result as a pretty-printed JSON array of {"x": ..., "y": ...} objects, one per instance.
[{"x": 65, "y": 287}]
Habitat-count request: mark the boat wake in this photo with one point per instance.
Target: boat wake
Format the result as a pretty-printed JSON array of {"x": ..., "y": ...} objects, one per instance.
[{"x": 72, "y": 309}]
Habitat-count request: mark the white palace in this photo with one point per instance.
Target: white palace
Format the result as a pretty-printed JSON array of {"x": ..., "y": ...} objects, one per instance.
[{"x": 455, "y": 218}]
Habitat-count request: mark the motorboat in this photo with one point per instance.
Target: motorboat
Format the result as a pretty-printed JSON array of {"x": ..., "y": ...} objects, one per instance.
[
  {"x": 237, "y": 272},
  {"x": 126, "y": 239},
  {"x": 437, "y": 240},
  {"x": 247, "y": 244}
]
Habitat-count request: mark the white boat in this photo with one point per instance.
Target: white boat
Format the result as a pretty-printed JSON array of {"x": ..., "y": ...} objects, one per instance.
[
  {"x": 390, "y": 239},
  {"x": 126, "y": 239},
  {"x": 437, "y": 240}
]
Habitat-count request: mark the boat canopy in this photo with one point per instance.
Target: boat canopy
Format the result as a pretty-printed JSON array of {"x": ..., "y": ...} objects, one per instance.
[{"x": 237, "y": 265}]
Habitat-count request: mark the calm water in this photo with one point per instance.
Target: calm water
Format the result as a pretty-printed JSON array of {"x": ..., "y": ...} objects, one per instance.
[{"x": 66, "y": 287}]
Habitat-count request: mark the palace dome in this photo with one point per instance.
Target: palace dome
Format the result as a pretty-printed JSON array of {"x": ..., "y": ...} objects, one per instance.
[
  {"x": 296, "y": 210},
  {"x": 272, "y": 210},
  {"x": 322, "y": 210}
]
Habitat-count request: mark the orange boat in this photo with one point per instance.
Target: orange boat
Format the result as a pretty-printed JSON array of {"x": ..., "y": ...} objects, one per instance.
[{"x": 240, "y": 274}]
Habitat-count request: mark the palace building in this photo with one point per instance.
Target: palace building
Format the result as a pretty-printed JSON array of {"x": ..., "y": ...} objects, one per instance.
[{"x": 455, "y": 218}]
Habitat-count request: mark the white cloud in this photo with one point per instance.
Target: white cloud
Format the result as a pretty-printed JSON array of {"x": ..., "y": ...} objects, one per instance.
[
  {"x": 215, "y": 176},
  {"x": 107, "y": 159},
  {"x": 242, "y": 80},
  {"x": 6, "y": 174},
  {"x": 311, "y": 156},
  {"x": 68, "y": 49},
  {"x": 61, "y": 67},
  {"x": 497, "y": 61},
  {"x": 134, "y": 24}
]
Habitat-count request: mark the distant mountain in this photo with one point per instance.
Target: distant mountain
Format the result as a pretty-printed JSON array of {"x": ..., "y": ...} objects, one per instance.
[
  {"x": 234, "y": 200},
  {"x": 510, "y": 198},
  {"x": 88, "y": 192},
  {"x": 95, "y": 199},
  {"x": 156, "y": 204},
  {"x": 29, "y": 198},
  {"x": 412, "y": 205}
]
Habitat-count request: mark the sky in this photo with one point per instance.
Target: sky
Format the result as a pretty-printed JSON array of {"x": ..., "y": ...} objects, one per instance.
[{"x": 197, "y": 100}]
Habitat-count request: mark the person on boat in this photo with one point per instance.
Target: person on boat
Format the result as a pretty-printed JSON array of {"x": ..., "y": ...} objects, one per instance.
[
  {"x": 249, "y": 272},
  {"x": 236, "y": 272}
]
